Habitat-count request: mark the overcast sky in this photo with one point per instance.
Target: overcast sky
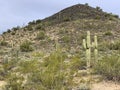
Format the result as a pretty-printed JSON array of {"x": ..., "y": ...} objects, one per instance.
[{"x": 20, "y": 12}]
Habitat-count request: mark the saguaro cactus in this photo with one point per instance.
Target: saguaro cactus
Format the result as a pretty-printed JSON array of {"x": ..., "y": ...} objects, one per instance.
[
  {"x": 88, "y": 45},
  {"x": 95, "y": 48}
]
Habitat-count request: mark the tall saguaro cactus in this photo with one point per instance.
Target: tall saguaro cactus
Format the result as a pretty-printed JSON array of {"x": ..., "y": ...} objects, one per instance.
[
  {"x": 95, "y": 48},
  {"x": 88, "y": 45}
]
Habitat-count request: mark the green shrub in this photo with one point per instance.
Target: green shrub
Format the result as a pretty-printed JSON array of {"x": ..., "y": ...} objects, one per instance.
[
  {"x": 14, "y": 82},
  {"x": 109, "y": 33},
  {"x": 116, "y": 16},
  {"x": 26, "y": 46},
  {"x": 32, "y": 23},
  {"x": 98, "y": 8},
  {"x": 86, "y": 4},
  {"x": 3, "y": 43},
  {"x": 38, "y": 21},
  {"x": 109, "y": 67},
  {"x": 8, "y": 31},
  {"x": 41, "y": 35},
  {"x": 66, "y": 39},
  {"x": 40, "y": 27},
  {"x": 98, "y": 17},
  {"x": 16, "y": 28},
  {"x": 66, "y": 19},
  {"x": 29, "y": 28},
  {"x": 48, "y": 75},
  {"x": 77, "y": 63},
  {"x": 25, "y": 66},
  {"x": 114, "y": 46},
  {"x": 13, "y": 33}
]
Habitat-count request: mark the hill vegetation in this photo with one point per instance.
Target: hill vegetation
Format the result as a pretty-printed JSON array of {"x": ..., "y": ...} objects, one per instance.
[{"x": 48, "y": 54}]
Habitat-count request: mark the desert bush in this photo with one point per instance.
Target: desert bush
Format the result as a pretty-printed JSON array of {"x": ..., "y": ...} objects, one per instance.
[
  {"x": 13, "y": 33},
  {"x": 66, "y": 19},
  {"x": 66, "y": 39},
  {"x": 38, "y": 21},
  {"x": 114, "y": 46},
  {"x": 41, "y": 35},
  {"x": 77, "y": 64},
  {"x": 26, "y": 46},
  {"x": 29, "y": 28},
  {"x": 40, "y": 27},
  {"x": 86, "y": 4},
  {"x": 108, "y": 33},
  {"x": 8, "y": 31},
  {"x": 25, "y": 66},
  {"x": 14, "y": 82},
  {"x": 32, "y": 23},
  {"x": 116, "y": 16},
  {"x": 48, "y": 75},
  {"x": 7, "y": 67},
  {"x": 109, "y": 67},
  {"x": 3, "y": 43}
]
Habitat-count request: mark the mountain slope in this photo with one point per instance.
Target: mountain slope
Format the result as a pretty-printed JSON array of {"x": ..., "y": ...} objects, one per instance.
[
  {"x": 79, "y": 11},
  {"x": 68, "y": 25},
  {"x": 48, "y": 54}
]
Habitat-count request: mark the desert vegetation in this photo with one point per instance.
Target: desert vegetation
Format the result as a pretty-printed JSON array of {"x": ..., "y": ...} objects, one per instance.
[{"x": 65, "y": 51}]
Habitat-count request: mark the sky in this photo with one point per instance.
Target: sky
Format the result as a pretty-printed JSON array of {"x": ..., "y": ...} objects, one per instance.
[{"x": 19, "y": 12}]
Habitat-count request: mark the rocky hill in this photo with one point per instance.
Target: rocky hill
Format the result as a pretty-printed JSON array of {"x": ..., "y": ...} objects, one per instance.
[{"x": 67, "y": 29}]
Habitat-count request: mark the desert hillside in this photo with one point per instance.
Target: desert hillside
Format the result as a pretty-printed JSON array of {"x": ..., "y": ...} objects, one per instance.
[{"x": 77, "y": 48}]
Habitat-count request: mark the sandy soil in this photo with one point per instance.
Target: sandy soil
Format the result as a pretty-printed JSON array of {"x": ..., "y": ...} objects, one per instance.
[
  {"x": 106, "y": 85},
  {"x": 2, "y": 83}
]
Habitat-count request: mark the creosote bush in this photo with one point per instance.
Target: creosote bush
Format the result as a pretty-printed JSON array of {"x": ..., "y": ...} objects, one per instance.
[
  {"x": 41, "y": 35},
  {"x": 108, "y": 33},
  {"x": 114, "y": 46},
  {"x": 47, "y": 75},
  {"x": 3, "y": 43},
  {"x": 109, "y": 67},
  {"x": 77, "y": 64},
  {"x": 26, "y": 46}
]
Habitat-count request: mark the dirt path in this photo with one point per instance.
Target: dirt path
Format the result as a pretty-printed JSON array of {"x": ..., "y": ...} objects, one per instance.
[
  {"x": 2, "y": 83},
  {"x": 106, "y": 86}
]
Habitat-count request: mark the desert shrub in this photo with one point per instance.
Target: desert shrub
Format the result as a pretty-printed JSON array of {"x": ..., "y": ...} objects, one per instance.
[
  {"x": 13, "y": 33},
  {"x": 32, "y": 23},
  {"x": 77, "y": 63},
  {"x": 40, "y": 27},
  {"x": 109, "y": 67},
  {"x": 3, "y": 43},
  {"x": 38, "y": 21},
  {"x": 4, "y": 32},
  {"x": 66, "y": 39},
  {"x": 98, "y": 8},
  {"x": 48, "y": 75},
  {"x": 26, "y": 46},
  {"x": 98, "y": 17},
  {"x": 66, "y": 19},
  {"x": 108, "y": 33},
  {"x": 41, "y": 35},
  {"x": 86, "y": 4},
  {"x": 14, "y": 82},
  {"x": 16, "y": 28},
  {"x": 25, "y": 66},
  {"x": 116, "y": 16},
  {"x": 52, "y": 77},
  {"x": 7, "y": 66},
  {"x": 29, "y": 28},
  {"x": 114, "y": 46},
  {"x": 8, "y": 31}
]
